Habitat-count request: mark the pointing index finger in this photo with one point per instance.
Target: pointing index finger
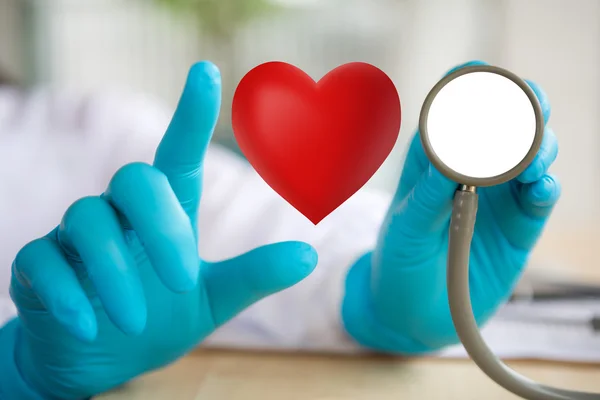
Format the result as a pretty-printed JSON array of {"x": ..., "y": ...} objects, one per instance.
[{"x": 181, "y": 151}]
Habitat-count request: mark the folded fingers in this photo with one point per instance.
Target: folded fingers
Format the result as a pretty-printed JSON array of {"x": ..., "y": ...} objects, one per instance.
[
  {"x": 539, "y": 198},
  {"x": 142, "y": 195},
  {"x": 90, "y": 253},
  {"x": 543, "y": 160},
  {"x": 91, "y": 230},
  {"x": 42, "y": 270}
]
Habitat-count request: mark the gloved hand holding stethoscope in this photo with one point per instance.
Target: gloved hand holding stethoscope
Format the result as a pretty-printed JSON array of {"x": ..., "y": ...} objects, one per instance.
[{"x": 482, "y": 126}]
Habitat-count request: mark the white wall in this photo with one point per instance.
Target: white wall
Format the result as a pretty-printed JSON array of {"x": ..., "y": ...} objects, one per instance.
[
  {"x": 12, "y": 55},
  {"x": 121, "y": 44},
  {"x": 432, "y": 37},
  {"x": 554, "y": 42},
  {"x": 129, "y": 44},
  {"x": 99, "y": 43},
  {"x": 557, "y": 44}
]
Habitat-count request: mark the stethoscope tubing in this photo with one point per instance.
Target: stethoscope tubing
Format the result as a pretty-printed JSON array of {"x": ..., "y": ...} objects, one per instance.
[{"x": 462, "y": 226}]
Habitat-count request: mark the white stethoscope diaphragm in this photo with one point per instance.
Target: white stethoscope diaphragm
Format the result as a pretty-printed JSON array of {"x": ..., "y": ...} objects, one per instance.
[{"x": 482, "y": 126}]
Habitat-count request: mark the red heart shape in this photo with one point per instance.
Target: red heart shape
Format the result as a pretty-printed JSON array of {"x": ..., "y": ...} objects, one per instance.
[{"x": 316, "y": 143}]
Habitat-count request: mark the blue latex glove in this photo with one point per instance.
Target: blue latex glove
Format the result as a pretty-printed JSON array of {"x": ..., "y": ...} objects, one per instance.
[
  {"x": 396, "y": 298},
  {"x": 118, "y": 288}
]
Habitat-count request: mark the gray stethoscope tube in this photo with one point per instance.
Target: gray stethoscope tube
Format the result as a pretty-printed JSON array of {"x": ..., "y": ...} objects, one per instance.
[{"x": 461, "y": 233}]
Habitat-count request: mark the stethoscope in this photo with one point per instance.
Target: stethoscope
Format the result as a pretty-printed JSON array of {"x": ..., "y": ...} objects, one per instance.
[{"x": 482, "y": 126}]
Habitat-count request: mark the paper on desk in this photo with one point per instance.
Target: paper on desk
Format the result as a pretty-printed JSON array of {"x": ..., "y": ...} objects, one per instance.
[{"x": 522, "y": 331}]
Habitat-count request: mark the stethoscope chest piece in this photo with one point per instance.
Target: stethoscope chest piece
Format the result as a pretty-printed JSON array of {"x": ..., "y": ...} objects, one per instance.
[{"x": 482, "y": 126}]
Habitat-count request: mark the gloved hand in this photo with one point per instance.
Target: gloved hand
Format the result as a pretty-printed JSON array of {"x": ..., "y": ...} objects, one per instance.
[
  {"x": 396, "y": 298},
  {"x": 118, "y": 288}
]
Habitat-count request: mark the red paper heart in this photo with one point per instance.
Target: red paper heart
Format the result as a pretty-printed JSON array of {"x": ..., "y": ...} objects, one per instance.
[{"x": 314, "y": 143}]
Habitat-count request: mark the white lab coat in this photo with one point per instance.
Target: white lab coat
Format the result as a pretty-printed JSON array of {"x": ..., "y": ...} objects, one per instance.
[{"x": 58, "y": 147}]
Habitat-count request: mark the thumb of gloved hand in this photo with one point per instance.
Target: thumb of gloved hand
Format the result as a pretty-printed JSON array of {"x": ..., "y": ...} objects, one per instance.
[
  {"x": 407, "y": 262},
  {"x": 425, "y": 210},
  {"x": 388, "y": 290},
  {"x": 234, "y": 284}
]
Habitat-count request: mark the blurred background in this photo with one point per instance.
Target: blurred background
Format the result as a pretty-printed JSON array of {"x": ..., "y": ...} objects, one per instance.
[{"x": 148, "y": 45}]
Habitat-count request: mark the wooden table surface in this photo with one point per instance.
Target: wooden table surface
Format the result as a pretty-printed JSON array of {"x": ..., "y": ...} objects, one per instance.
[
  {"x": 217, "y": 375},
  {"x": 220, "y": 375}
]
